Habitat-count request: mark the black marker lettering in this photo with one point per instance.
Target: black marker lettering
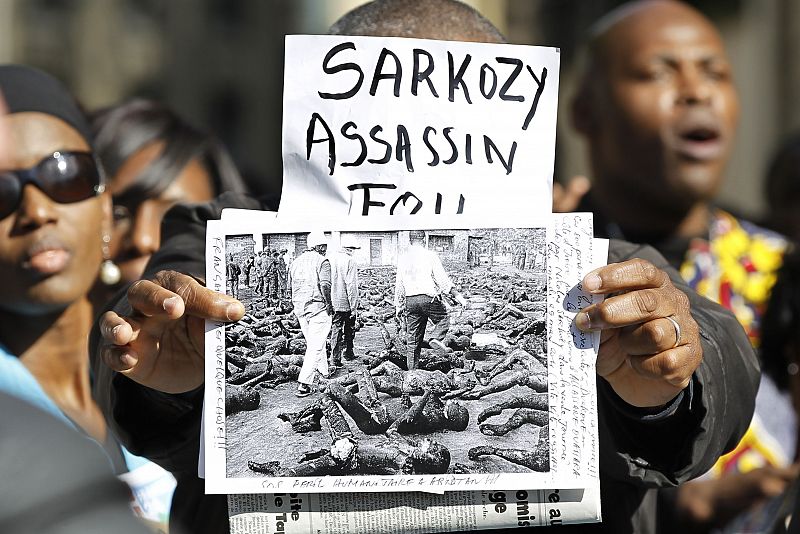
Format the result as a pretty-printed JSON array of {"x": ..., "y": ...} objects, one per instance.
[
  {"x": 489, "y": 146},
  {"x": 373, "y": 133},
  {"x": 456, "y": 79},
  {"x": 367, "y": 202},
  {"x": 380, "y": 75},
  {"x": 468, "y": 149},
  {"x": 438, "y": 203},
  {"x": 404, "y": 198},
  {"x": 460, "y": 204},
  {"x": 490, "y": 94},
  {"x": 454, "y": 157},
  {"x": 339, "y": 68},
  {"x": 403, "y": 147},
  {"x": 354, "y": 136},
  {"x": 539, "y": 89},
  {"x": 506, "y": 86},
  {"x": 424, "y": 75},
  {"x": 435, "y": 161},
  {"x": 310, "y": 140}
]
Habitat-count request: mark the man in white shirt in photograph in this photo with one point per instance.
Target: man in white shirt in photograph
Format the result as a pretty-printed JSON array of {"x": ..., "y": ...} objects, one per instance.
[{"x": 421, "y": 284}]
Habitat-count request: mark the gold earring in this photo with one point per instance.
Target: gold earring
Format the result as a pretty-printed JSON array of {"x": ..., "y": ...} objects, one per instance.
[{"x": 110, "y": 274}]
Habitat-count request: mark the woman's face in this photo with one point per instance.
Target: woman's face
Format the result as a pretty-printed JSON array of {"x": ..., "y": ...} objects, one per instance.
[
  {"x": 50, "y": 253},
  {"x": 137, "y": 228}
]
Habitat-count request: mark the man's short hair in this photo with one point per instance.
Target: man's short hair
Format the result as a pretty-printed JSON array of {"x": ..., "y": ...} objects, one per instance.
[{"x": 447, "y": 20}]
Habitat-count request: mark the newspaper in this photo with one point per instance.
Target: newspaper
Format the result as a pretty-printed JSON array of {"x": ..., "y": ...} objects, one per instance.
[{"x": 418, "y": 513}]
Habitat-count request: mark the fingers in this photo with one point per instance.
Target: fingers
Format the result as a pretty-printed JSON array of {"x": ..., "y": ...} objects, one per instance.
[
  {"x": 674, "y": 366},
  {"x": 566, "y": 198},
  {"x": 655, "y": 336},
  {"x": 115, "y": 329},
  {"x": 118, "y": 332},
  {"x": 628, "y": 309},
  {"x": 647, "y": 294},
  {"x": 152, "y": 299},
  {"x": 625, "y": 276},
  {"x": 171, "y": 294}
]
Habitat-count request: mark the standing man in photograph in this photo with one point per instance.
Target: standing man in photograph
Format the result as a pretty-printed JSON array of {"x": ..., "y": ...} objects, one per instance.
[
  {"x": 344, "y": 294},
  {"x": 267, "y": 270},
  {"x": 281, "y": 273},
  {"x": 310, "y": 281},
  {"x": 257, "y": 265},
  {"x": 420, "y": 286},
  {"x": 248, "y": 266},
  {"x": 233, "y": 276}
]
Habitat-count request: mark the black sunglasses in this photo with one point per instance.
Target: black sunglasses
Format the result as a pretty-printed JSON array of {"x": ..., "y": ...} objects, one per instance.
[{"x": 65, "y": 177}]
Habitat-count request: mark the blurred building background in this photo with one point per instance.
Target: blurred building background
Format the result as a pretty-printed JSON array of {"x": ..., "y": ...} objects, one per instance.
[{"x": 220, "y": 64}]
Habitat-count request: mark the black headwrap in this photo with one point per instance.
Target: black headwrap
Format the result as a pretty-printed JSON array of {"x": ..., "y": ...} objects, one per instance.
[{"x": 29, "y": 89}]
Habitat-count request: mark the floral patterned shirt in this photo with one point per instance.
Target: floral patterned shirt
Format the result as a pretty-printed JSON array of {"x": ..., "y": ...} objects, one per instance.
[{"x": 737, "y": 266}]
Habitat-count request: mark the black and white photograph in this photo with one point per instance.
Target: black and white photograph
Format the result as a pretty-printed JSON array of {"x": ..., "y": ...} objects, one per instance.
[{"x": 418, "y": 352}]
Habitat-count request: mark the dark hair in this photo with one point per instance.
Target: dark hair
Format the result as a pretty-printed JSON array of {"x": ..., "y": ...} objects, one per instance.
[
  {"x": 780, "y": 326},
  {"x": 121, "y": 131}
]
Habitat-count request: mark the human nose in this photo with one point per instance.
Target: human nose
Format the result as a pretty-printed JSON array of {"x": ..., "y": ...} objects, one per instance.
[
  {"x": 35, "y": 209},
  {"x": 693, "y": 87},
  {"x": 145, "y": 235}
]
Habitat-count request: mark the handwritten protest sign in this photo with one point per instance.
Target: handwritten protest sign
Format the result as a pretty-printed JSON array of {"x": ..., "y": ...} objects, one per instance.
[{"x": 377, "y": 126}]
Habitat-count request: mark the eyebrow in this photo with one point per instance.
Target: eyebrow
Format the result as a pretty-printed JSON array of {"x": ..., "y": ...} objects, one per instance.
[{"x": 705, "y": 58}]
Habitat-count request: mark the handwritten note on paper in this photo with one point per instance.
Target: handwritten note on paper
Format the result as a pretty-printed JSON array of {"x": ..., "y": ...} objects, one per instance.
[
  {"x": 573, "y": 401},
  {"x": 394, "y": 126}
]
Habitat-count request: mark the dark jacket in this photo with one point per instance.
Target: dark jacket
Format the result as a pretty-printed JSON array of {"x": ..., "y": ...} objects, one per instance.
[
  {"x": 639, "y": 450},
  {"x": 54, "y": 479}
]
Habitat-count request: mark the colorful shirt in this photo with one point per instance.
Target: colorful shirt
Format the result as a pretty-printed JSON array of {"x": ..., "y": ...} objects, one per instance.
[{"x": 737, "y": 267}]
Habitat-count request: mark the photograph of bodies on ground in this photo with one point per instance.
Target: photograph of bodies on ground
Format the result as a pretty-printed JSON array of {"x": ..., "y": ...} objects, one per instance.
[{"x": 387, "y": 353}]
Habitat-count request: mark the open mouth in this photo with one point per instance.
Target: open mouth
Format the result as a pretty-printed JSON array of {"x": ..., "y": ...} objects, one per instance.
[
  {"x": 700, "y": 143},
  {"x": 700, "y": 135}
]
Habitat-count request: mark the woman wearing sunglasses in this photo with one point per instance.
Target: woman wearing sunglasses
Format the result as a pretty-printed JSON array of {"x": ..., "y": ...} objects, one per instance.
[{"x": 55, "y": 223}]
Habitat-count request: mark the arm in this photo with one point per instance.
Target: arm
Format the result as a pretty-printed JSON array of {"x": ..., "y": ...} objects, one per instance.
[
  {"x": 679, "y": 438},
  {"x": 399, "y": 290},
  {"x": 440, "y": 276},
  {"x": 155, "y": 410},
  {"x": 325, "y": 284},
  {"x": 352, "y": 285},
  {"x": 409, "y": 416}
]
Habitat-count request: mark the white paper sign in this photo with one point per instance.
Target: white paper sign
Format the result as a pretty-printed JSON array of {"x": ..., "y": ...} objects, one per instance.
[{"x": 380, "y": 126}]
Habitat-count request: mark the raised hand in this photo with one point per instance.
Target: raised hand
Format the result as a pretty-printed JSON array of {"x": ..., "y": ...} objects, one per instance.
[
  {"x": 649, "y": 343},
  {"x": 161, "y": 344}
]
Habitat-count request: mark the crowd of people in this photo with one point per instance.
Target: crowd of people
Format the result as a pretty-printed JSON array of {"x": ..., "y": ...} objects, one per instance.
[{"x": 697, "y": 373}]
